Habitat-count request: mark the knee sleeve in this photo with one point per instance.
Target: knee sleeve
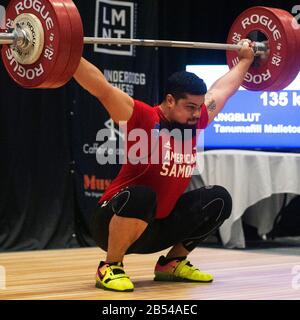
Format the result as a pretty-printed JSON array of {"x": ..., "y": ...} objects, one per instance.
[
  {"x": 214, "y": 211},
  {"x": 135, "y": 202},
  {"x": 219, "y": 193},
  {"x": 211, "y": 200}
]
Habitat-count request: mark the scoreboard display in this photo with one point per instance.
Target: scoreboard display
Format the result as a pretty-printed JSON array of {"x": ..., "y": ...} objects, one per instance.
[{"x": 251, "y": 119}]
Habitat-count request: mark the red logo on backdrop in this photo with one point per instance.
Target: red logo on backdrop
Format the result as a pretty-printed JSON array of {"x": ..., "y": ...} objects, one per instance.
[{"x": 93, "y": 183}]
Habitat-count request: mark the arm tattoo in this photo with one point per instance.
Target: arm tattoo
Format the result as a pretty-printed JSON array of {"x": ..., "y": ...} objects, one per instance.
[{"x": 211, "y": 106}]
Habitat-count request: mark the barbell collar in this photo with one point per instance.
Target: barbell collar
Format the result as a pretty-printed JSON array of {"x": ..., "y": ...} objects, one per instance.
[
  {"x": 16, "y": 37},
  {"x": 8, "y": 38}
]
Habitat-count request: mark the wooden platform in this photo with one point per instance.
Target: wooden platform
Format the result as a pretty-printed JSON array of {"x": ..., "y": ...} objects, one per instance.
[{"x": 69, "y": 274}]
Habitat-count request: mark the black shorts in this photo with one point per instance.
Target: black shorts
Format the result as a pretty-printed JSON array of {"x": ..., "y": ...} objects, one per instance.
[{"x": 196, "y": 214}]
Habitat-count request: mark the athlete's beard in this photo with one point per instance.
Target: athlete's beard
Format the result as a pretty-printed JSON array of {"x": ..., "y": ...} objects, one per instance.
[{"x": 187, "y": 131}]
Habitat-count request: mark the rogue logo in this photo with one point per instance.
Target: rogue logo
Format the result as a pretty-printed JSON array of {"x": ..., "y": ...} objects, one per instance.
[
  {"x": 2, "y": 17},
  {"x": 38, "y": 7},
  {"x": 265, "y": 21},
  {"x": 29, "y": 74},
  {"x": 114, "y": 19}
]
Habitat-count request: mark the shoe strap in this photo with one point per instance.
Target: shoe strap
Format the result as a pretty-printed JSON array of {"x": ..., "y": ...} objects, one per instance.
[
  {"x": 179, "y": 268},
  {"x": 117, "y": 273}
]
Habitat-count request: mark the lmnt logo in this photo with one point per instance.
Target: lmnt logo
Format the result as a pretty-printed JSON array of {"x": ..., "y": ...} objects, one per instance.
[
  {"x": 114, "y": 19},
  {"x": 2, "y": 17}
]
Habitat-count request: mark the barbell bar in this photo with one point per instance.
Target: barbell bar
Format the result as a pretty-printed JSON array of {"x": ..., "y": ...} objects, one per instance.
[
  {"x": 44, "y": 53},
  {"x": 11, "y": 38},
  {"x": 17, "y": 38}
]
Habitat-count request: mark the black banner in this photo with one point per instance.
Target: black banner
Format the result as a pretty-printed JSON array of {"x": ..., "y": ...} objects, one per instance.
[{"x": 134, "y": 70}]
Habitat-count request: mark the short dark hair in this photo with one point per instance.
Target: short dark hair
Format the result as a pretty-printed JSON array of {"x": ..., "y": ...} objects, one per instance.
[{"x": 182, "y": 83}]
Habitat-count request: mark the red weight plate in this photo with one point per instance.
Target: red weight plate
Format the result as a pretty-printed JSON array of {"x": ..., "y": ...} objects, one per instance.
[
  {"x": 281, "y": 42},
  {"x": 54, "y": 79},
  {"x": 296, "y": 29},
  {"x": 77, "y": 42},
  {"x": 52, "y": 15},
  {"x": 292, "y": 69}
]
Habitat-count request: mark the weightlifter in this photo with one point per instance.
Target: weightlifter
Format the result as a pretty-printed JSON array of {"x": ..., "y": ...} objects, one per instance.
[{"x": 145, "y": 209}]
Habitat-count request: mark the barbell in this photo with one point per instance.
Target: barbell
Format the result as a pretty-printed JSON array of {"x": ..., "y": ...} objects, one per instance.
[{"x": 43, "y": 44}]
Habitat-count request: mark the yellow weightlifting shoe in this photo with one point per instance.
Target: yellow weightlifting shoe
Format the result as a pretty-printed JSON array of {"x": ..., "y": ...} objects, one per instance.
[
  {"x": 179, "y": 269},
  {"x": 113, "y": 277}
]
